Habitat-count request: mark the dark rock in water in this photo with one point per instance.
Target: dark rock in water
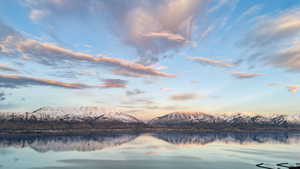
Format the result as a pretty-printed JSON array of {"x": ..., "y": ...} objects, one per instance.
[
  {"x": 284, "y": 165},
  {"x": 261, "y": 165}
]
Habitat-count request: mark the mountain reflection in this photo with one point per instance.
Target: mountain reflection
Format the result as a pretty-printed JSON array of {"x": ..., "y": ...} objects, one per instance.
[
  {"x": 66, "y": 143},
  {"x": 238, "y": 138},
  {"x": 47, "y": 143}
]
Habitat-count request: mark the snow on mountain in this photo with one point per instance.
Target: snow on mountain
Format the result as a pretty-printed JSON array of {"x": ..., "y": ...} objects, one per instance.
[
  {"x": 72, "y": 114},
  {"x": 183, "y": 117},
  {"x": 82, "y": 114},
  {"x": 234, "y": 118},
  {"x": 294, "y": 119},
  {"x": 245, "y": 118},
  {"x": 101, "y": 114}
]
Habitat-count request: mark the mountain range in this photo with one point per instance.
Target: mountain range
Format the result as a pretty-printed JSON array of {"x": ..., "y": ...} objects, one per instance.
[
  {"x": 235, "y": 118},
  {"x": 98, "y": 118}
]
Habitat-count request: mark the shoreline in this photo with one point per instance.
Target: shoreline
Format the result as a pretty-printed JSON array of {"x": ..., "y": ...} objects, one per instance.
[{"x": 139, "y": 131}]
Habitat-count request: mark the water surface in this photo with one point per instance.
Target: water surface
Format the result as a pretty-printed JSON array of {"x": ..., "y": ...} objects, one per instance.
[{"x": 149, "y": 151}]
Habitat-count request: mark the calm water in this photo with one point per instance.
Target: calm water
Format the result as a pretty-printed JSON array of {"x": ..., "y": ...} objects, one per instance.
[{"x": 149, "y": 151}]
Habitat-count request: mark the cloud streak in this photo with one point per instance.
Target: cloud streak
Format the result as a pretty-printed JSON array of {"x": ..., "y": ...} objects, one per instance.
[
  {"x": 166, "y": 35},
  {"x": 240, "y": 75},
  {"x": 54, "y": 55},
  {"x": 113, "y": 83},
  {"x": 211, "y": 62},
  {"x": 274, "y": 40},
  {"x": 273, "y": 84},
  {"x": 287, "y": 58},
  {"x": 184, "y": 96},
  {"x": 155, "y": 28},
  {"x": 7, "y": 68},
  {"x": 134, "y": 92},
  {"x": 16, "y": 81},
  {"x": 44, "y": 52},
  {"x": 165, "y": 89},
  {"x": 293, "y": 88},
  {"x": 151, "y": 28},
  {"x": 2, "y": 96}
]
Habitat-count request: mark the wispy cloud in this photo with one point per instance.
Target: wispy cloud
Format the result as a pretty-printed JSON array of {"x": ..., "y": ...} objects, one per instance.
[
  {"x": 54, "y": 55},
  {"x": 156, "y": 106},
  {"x": 7, "y": 68},
  {"x": 293, "y": 88},
  {"x": 195, "y": 81},
  {"x": 8, "y": 39},
  {"x": 273, "y": 84},
  {"x": 250, "y": 11},
  {"x": 166, "y": 35},
  {"x": 151, "y": 28},
  {"x": 48, "y": 8},
  {"x": 134, "y": 92},
  {"x": 211, "y": 62},
  {"x": 184, "y": 96},
  {"x": 165, "y": 89},
  {"x": 167, "y": 107},
  {"x": 34, "y": 49},
  {"x": 2, "y": 96},
  {"x": 141, "y": 101},
  {"x": 274, "y": 40},
  {"x": 155, "y": 28},
  {"x": 113, "y": 83},
  {"x": 285, "y": 25},
  {"x": 218, "y": 5},
  {"x": 15, "y": 81},
  {"x": 37, "y": 14},
  {"x": 288, "y": 58},
  {"x": 241, "y": 75}
]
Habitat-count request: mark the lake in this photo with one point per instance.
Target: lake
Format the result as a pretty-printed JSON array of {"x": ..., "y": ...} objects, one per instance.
[{"x": 211, "y": 150}]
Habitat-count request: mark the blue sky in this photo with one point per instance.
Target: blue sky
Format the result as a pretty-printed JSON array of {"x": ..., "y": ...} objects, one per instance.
[{"x": 150, "y": 58}]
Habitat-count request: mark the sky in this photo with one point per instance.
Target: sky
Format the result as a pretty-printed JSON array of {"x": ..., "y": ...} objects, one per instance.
[{"x": 148, "y": 57}]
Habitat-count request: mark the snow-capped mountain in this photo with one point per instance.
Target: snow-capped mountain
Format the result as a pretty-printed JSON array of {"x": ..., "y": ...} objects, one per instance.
[
  {"x": 244, "y": 118},
  {"x": 293, "y": 119},
  {"x": 228, "y": 119},
  {"x": 180, "y": 117},
  {"x": 79, "y": 114},
  {"x": 82, "y": 114},
  {"x": 99, "y": 118}
]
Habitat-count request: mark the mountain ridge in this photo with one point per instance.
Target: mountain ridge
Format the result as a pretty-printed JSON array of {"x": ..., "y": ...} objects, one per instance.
[
  {"x": 226, "y": 118},
  {"x": 96, "y": 118}
]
